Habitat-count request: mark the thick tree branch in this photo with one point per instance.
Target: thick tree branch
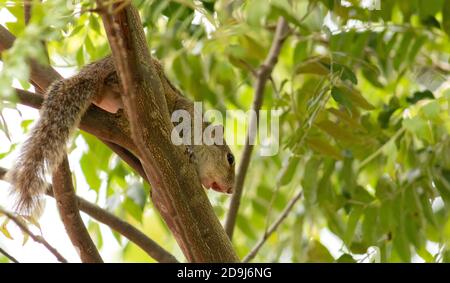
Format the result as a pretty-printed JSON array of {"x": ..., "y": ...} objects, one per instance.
[
  {"x": 68, "y": 210},
  {"x": 263, "y": 75},
  {"x": 10, "y": 257},
  {"x": 273, "y": 227},
  {"x": 176, "y": 189},
  {"x": 128, "y": 231},
  {"x": 124, "y": 228},
  {"x": 36, "y": 238}
]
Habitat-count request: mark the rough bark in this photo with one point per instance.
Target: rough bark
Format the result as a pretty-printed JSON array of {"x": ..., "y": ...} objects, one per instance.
[{"x": 176, "y": 189}]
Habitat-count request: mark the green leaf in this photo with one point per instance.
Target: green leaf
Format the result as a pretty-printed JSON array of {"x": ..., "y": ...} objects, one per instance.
[
  {"x": 370, "y": 224},
  {"x": 352, "y": 222},
  {"x": 429, "y": 8},
  {"x": 419, "y": 127},
  {"x": 310, "y": 179},
  {"x": 387, "y": 217},
  {"x": 339, "y": 96},
  {"x": 373, "y": 76},
  {"x": 446, "y": 17},
  {"x": 287, "y": 171},
  {"x": 416, "y": 47},
  {"x": 348, "y": 96},
  {"x": 209, "y": 5},
  {"x": 80, "y": 57},
  {"x": 315, "y": 65},
  {"x": 300, "y": 52},
  {"x": 253, "y": 48},
  {"x": 94, "y": 229},
  {"x": 385, "y": 188},
  {"x": 431, "y": 110},
  {"x": 4, "y": 229},
  {"x": 177, "y": 12},
  {"x": 283, "y": 8},
  {"x": 425, "y": 202},
  {"x": 318, "y": 252},
  {"x": 346, "y": 258},
  {"x": 403, "y": 49},
  {"x": 90, "y": 172},
  {"x": 345, "y": 73},
  {"x": 94, "y": 24},
  {"x": 257, "y": 11},
  {"x": 431, "y": 21},
  {"x": 401, "y": 241},
  {"x": 260, "y": 206},
  {"x": 357, "y": 99},
  {"x": 133, "y": 209},
  {"x": 420, "y": 95},
  {"x": 443, "y": 186},
  {"x": 446, "y": 256},
  {"x": 91, "y": 50},
  {"x": 323, "y": 147},
  {"x": 244, "y": 226},
  {"x": 425, "y": 254},
  {"x": 337, "y": 132},
  {"x": 362, "y": 196}
]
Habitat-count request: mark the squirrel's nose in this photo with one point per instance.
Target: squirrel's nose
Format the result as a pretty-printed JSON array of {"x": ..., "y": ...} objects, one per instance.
[{"x": 230, "y": 190}]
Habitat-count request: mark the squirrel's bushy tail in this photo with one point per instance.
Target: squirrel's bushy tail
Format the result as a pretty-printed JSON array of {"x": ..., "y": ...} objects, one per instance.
[{"x": 65, "y": 103}]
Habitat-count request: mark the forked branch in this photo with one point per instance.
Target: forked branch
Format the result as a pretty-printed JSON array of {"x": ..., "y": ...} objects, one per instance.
[{"x": 263, "y": 75}]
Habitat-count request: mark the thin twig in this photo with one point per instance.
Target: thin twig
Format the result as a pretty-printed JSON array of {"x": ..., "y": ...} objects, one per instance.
[
  {"x": 272, "y": 228},
  {"x": 27, "y": 11},
  {"x": 10, "y": 257},
  {"x": 263, "y": 75},
  {"x": 36, "y": 238},
  {"x": 122, "y": 227}
]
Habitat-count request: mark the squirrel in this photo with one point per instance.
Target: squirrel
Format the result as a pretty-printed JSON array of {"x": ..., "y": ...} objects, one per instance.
[{"x": 65, "y": 102}]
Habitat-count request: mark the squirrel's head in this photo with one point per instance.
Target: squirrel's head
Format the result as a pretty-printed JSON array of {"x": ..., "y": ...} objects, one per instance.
[{"x": 215, "y": 166}]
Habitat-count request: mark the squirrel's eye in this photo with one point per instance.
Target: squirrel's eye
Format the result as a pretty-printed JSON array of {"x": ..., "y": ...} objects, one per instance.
[{"x": 230, "y": 158}]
